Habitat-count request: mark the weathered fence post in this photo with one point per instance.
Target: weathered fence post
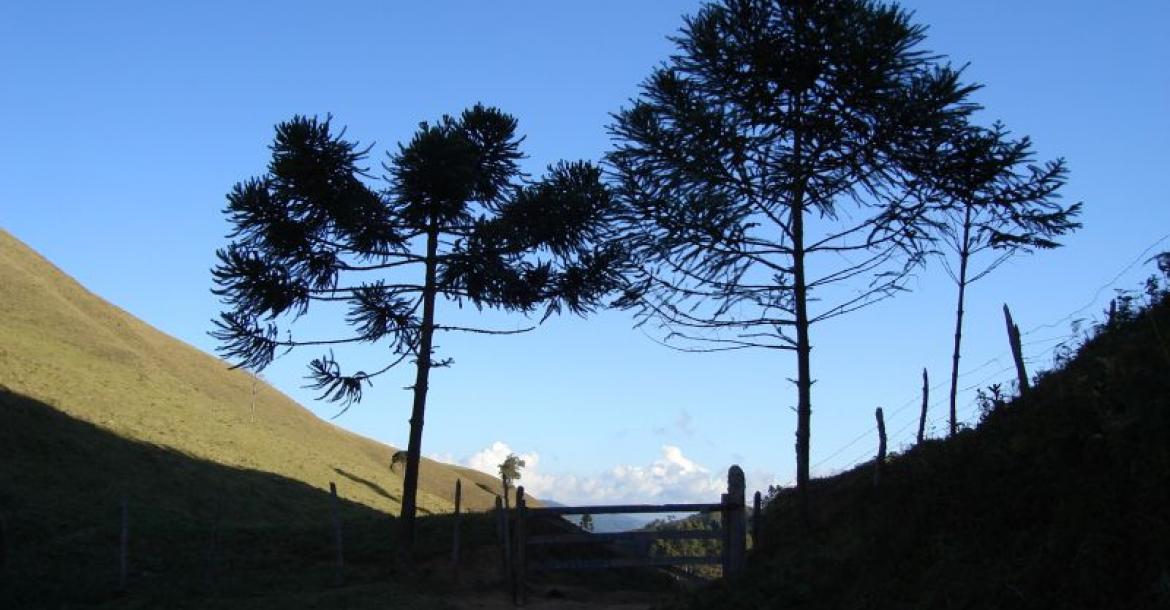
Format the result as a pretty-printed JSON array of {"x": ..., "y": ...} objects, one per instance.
[
  {"x": 736, "y": 510},
  {"x": 123, "y": 554},
  {"x": 881, "y": 456},
  {"x": 455, "y": 530},
  {"x": 757, "y": 503},
  {"x": 725, "y": 533},
  {"x": 1017, "y": 351},
  {"x": 505, "y": 543},
  {"x": 339, "y": 576},
  {"x": 925, "y": 399},
  {"x": 521, "y": 597}
]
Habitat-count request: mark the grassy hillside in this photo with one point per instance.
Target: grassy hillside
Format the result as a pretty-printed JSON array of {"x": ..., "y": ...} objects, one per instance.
[
  {"x": 63, "y": 345},
  {"x": 1059, "y": 499},
  {"x": 95, "y": 404}
]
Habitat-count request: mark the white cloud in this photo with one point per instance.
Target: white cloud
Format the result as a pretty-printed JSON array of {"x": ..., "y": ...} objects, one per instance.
[{"x": 672, "y": 477}]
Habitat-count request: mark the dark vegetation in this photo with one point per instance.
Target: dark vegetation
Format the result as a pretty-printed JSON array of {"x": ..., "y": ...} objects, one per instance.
[{"x": 1055, "y": 500}]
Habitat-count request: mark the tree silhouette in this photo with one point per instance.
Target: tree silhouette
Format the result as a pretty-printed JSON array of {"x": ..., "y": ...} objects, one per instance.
[
  {"x": 587, "y": 522},
  {"x": 774, "y": 158},
  {"x": 510, "y": 472},
  {"x": 993, "y": 199},
  {"x": 457, "y": 222}
]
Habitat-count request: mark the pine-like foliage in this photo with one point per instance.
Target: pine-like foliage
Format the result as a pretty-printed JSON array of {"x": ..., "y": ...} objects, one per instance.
[
  {"x": 456, "y": 220},
  {"x": 992, "y": 202},
  {"x": 773, "y": 167}
]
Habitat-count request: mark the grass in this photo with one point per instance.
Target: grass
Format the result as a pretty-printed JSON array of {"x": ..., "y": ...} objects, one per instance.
[{"x": 95, "y": 404}]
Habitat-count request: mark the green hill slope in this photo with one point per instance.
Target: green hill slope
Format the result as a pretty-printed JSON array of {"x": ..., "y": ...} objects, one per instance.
[
  {"x": 1059, "y": 499},
  {"x": 96, "y": 406},
  {"x": 64, "y": 346}
]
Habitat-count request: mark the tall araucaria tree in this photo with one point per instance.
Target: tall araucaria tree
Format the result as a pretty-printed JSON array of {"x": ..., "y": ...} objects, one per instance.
[
  {"x": 457, "y": 222},
  {"x": 771, "y": 168},
  {"x": 992, "y": 202}
]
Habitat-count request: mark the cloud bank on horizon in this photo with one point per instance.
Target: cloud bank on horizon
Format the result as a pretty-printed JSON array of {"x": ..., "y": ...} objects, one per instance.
[{"x": 671, "y": 478}]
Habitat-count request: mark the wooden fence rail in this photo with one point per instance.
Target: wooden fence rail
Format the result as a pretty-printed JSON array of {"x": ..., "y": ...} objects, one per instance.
[{"x": 732, "y": 534}]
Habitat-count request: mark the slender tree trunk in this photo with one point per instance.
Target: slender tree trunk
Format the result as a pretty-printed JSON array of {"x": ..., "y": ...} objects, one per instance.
[
  {"x": 422, "y": 377},
  {"x": 964, "y": 256},
  {"x": 803, "y": 347},
  {"x": 803, "y": 368}
]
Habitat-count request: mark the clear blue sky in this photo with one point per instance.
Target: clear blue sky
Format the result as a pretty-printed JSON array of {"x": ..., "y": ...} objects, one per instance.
[{"x": 126, "y": 123}]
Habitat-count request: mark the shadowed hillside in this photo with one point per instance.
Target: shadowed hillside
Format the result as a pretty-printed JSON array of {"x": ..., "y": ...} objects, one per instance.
[
  {"x": 96, "y": 405},
  {"x": 64, "y": 346},
  {"x": 1058, "y": 499}
]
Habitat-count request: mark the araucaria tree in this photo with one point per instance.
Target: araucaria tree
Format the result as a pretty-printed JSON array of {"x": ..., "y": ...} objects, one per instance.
[
  {"x": 456, "y": 222},
  {"x": 992, "y": 202},
  {"x": 771, "y": 169}
]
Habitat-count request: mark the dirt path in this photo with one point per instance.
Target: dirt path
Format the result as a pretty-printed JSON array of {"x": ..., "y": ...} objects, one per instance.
[{"x": 567, "y": 598}]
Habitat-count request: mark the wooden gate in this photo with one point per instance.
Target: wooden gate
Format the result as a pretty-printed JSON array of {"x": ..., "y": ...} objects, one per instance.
[{"x": 732, "y": 534}]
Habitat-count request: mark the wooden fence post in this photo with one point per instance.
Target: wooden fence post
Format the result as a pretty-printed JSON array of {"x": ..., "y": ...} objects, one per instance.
[
  {"x": 455, "y": 530},
  {"x": 505, "y": 543},
  {"x": 736, "y": 510},
  {"x": 521, "y": 597},
  {"x": 123, "y": 554},
  {"x": 881, "y": 456},
  {"x": 1017, "y": 351},
  {"x": 339, "y": 576},
  {"x": 757, "y": 503},
  {"x": 925, "y": 399}
]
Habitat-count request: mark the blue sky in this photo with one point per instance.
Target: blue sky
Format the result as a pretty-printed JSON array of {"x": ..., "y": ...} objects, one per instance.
[{"x": 126, "y": 123}]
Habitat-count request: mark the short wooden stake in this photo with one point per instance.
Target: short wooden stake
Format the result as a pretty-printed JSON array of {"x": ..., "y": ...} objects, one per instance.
[
  {"x": 925, "y": 399},
  {"x": 124, "y": 546},
  {"x": 455, "y": 528},
  {"x": 521, "y": 542},
  {"x": 339, "y": 574},
  {"x": 757, "y": 502},
  {"x": 881, "y": 455},
  {"x": 1017, "y": 351}
]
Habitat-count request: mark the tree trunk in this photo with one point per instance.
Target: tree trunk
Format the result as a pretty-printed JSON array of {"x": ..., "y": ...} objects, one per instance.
[
  {"x": 803, "y": 368},
  {"x": 422, "y": 377},
  {"x": 964, "y": 255},
  {"x": 800, "y": 302}
]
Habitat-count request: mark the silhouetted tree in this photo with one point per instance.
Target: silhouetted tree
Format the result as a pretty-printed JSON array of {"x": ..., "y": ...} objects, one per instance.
[
  {"x": 587, "y": 522},
  {"x": 510, "y": 472},
  {"x": 993, "y": 199},
  {"x": 773, "y": 157},
  {"x": 458, "y": 222}
]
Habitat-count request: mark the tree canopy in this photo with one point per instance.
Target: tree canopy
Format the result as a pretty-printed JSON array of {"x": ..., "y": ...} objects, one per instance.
[
  {"x": 773, "y": 171},
  {"x": 455, "y": 220}
]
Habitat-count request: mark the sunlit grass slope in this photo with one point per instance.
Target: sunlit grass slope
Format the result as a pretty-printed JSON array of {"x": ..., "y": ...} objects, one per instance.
[{"x": 66, "y": 347}]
